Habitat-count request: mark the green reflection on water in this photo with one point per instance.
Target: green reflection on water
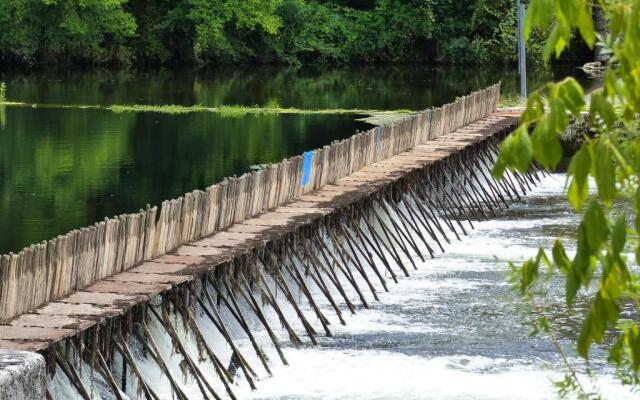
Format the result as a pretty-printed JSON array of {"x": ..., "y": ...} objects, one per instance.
[
  {"x": 61, "y": 170},
  {"x": 64, "y": 169},
  {"x": 379, "y": 88}
]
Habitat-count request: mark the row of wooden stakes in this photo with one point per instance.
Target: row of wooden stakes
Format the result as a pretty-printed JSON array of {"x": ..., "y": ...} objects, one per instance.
[
  {"x": 53, "y": 269},
  {"x": 293, "y": 288}
]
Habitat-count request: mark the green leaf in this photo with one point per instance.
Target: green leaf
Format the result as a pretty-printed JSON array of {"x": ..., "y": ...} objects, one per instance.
[
  {"x": 637, "y": 208},
  {"x": 538, "y": 15},
  {"x": 558, "y": 119},
  {"x": 529, "y": 273},
  {"x": 579, "y": 171},
  {"x": 547, "y": 149},
  {"x": 572, "y": 283},
  {"x": 566, "y": 12},
  {"x": 584, "y": 339},
  {"x": 560, "y": 258},
  {"x": 498, "y": 168},
  {"x": 633, "y": 339},
  {"x": 522, "y": 149},
  {"x": 596, "y": 226},
  {"x": 552, "y": 40},
  {"x": 516, "y": 150},
  {"x": 580, "y": 269},
  {"x": 577, "y": 194},
  {"x": 619, "y": 235},
  {"x": 600, "y": 106},
  {"x": 585, "y": 24},
  {"x": 604, "y": 172},
  {"x": 573, "y": 95},
  {"x": 534, "y": 110}
]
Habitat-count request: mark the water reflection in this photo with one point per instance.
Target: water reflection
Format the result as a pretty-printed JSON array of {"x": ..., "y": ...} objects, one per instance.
[
  {"x": 412, "y": 87},
  {"x": 61, "y": 169}
]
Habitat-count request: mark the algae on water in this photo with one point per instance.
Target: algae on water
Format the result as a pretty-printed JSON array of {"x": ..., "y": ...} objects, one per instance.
[
  {"x": 374, "y": 117},
  {"x": 3, "y": 92}
]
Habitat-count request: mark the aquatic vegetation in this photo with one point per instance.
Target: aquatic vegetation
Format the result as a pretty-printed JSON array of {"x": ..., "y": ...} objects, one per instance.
[
  {"x": 3, "y": 92},
  {"x": 164, "y": 109},
  {"x": 374, "y": 117}
]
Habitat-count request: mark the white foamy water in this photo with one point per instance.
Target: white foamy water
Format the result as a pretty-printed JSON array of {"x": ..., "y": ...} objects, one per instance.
[
  {"x": 326, "y": 374},
  {"x": 452, "y": 330}
]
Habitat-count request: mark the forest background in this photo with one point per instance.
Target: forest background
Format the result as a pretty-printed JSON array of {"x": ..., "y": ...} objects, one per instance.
[{"x": 289, "y": 32}]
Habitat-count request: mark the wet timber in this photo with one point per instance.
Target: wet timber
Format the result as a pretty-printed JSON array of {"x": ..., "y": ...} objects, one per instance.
[
  {"x": 335, "y": 225},
  {"x": 116, "y": 295}
]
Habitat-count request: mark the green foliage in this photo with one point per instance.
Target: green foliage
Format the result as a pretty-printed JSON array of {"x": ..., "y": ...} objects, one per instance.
[
  {"x": 259, "y": 31},
  {"x": 481, "y": 31},
  {"x": 221, "y": 25},
  {"x": 599, "y": 272},
  {"x": 55, "y": 30},
  {"x": 3, "y": 92}
]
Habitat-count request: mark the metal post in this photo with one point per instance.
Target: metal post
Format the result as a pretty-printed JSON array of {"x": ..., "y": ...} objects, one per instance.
[{"x": 522, "y": 52}]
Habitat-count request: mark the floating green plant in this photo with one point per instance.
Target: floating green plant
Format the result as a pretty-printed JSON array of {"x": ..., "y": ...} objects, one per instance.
[
  {"x": 164, "y": 109},
  {"x": 375, "y": 117},
  {"x": 3, "y": 92}
]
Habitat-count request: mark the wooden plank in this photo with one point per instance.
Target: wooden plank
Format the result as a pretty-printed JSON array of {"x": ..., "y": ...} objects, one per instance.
[
  {"x": 216, "y": 241},
  {"x": 25, "y": 333},
  {"x": 304, "y": 210},
  {"x": 132, "y": 288},
  {"x": 53, "y": 321},
  {"x": 80, "y": 310},
  {"x": 124, "y": 240},
  {"x": 180, "y": 259},
  {"x": 148, "y": 278},
  {"x": 328, "y": 188},
  {"x": 104, "y": 298},
  {"x": 152, "y": 267},
  {"x": 23, "y": 345},
  {"x": 280, "y": 221},
  {"x": 235, "y": 235},
  {"x": 305, "y": 204},
  {"x": 190, "y": 250},
  {"x": 241, "y": 228}
]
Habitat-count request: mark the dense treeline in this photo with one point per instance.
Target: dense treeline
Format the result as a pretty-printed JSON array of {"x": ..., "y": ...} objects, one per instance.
[{"x": 258, "y": 31}]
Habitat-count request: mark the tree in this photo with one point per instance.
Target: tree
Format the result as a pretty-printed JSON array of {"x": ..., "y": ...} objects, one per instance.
[
  {"x": 600, "y": 273},
  {"x": 94, "y": 31}
]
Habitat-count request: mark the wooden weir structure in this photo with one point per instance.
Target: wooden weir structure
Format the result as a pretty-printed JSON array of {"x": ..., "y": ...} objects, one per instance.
[{"x": 337, "y": 223}]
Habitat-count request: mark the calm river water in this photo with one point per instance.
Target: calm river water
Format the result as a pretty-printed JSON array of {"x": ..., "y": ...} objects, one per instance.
[{"x": 64, "y": 169}]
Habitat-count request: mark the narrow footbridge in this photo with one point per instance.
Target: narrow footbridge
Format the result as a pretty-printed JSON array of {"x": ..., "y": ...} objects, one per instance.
[{"x": 327, "y": 230}]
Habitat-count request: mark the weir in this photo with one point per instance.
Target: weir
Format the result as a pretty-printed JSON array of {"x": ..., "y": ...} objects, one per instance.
[{"x": 281, "y": 253}]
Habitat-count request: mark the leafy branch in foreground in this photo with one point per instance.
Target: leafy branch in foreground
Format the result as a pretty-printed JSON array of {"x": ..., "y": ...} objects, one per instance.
[{"x": 600, "y": 272}]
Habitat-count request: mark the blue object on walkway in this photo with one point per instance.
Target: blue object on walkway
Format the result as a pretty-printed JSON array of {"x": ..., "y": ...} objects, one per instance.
[
  {"x": 427, "y": 119},
  {"x": 307, "y": 157}
]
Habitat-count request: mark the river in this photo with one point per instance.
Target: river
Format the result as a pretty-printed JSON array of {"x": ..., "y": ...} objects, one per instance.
[
  {"x": 62, "y": 169},
  {"x": 453, "y": 330}
]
